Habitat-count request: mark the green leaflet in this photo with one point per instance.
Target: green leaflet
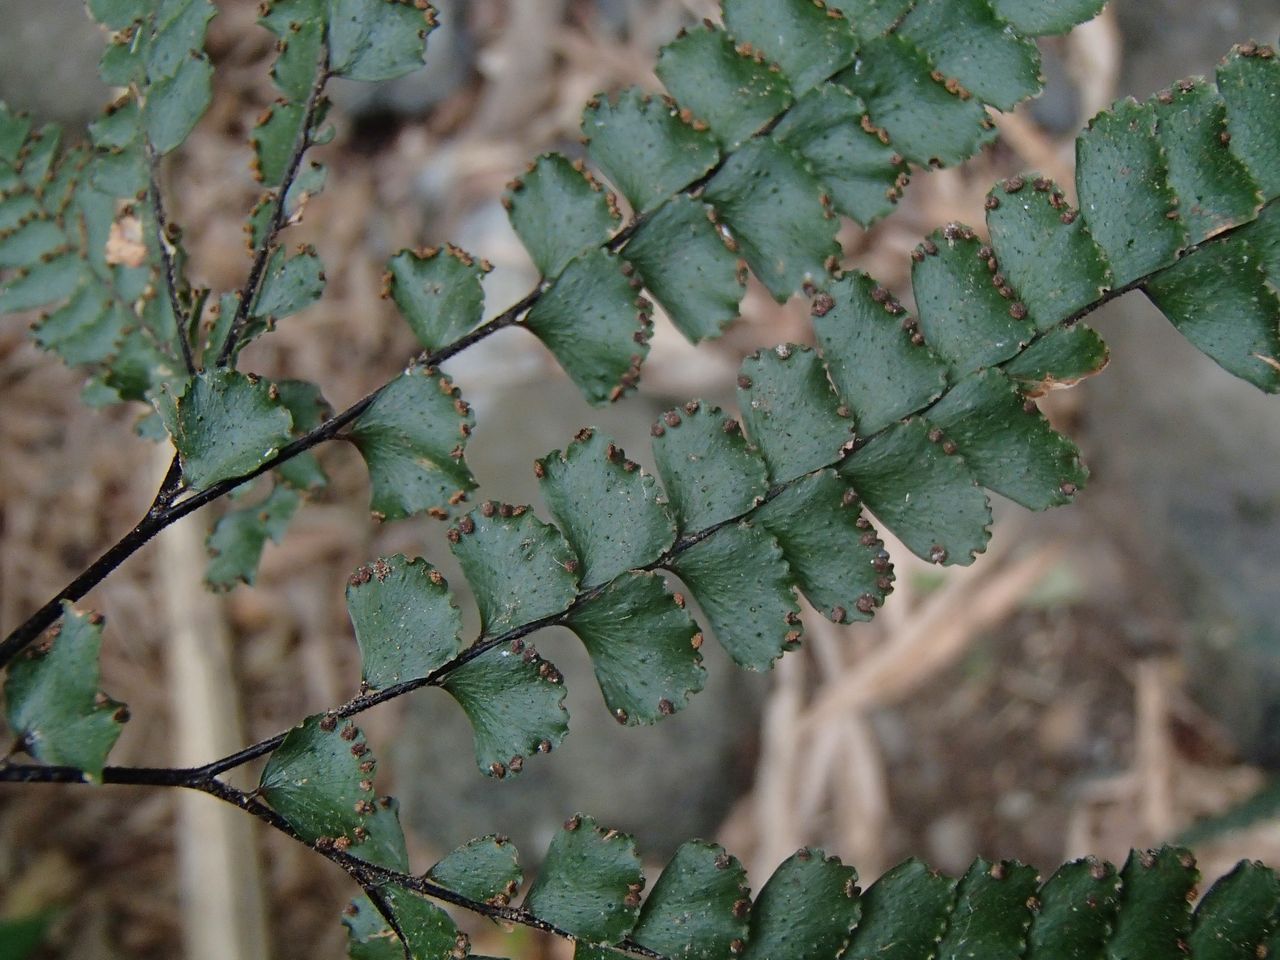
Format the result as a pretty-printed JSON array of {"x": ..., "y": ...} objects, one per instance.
[
  {"x": 877, "y": 367},
  {"x": 642, "y": 646},
  {"x": 927, "y": 497},
  {"x": 224, "y": 424},
  {"x": 967, "y": 317},
  {"x": 1010, "y": 448},
  {"x": 486, "y": 869},
  {"x": 645, "y": 148},
  {"x": 966, "y": 40},
  {"x": 405, "y": 620},
  {"x": 46, "y": 282},
  {"x": 590, "y": 883},
  {"x": 438, "y": 292},
  {"x": 1236, "y": 917},
  {"x": 1077, "y": 910},
  {"x": 309, "y": 409},
  {"x": 1215, "y": 189},
  {"x": 1122, "y": 177},
  {"x": 1225, "y": 279},
  {"x": 1249, "y": 81},
  {"x": 790, "y": 411},
  {"x": 731, "y": 90},
  {"x": 862, "y": 174},
  {"x": 236, "y": 542},
  {"x": 612, "y": 512},
  {"x": 52, "y": 701},
  {"x": 429, "y": 933},
  {"x": 776, "y": 214},
  {"x": 741, "y": 581},
  {"x": 926, "y": 121},
  {"x": 807, "y": 909},
  {"x": 991, "y": 916},
  {"x": 519, "y": 568},
  {"x": 176, "y": 103},
  {"x": 1040, "y": 17},
  {"x": 298, "y": 42},
  {"x": 685, "y": 262},
  {"x": 1044, "y": 250},
  {"x": 1263, "y": 235},
  {"x": 1062, "y": 357},
  {"x": 412, "y": 439},
  {"x": 709, "y": 471},
  {"x": 320, "y": 779},
  {"x": 22, "y": 936},
  {"x": 86, "y": 329},
  {"x": 838, "y": 562},
  {"x": 30, "y": 242},
  {"x": 377, "y": 40},
  {"x": 515, "y": 702},
  {"x": 290, "y": 284},
  {"x": 698, "y": 907},
  {"x": 594, "y": 323},
  {"x": 273, "y": 140},
  {"x": 904, "y": 914},
  {"x": 1155, "y": 910},
  {"x": 809, "y": 42},
  {"x": 558, "y": 210}
]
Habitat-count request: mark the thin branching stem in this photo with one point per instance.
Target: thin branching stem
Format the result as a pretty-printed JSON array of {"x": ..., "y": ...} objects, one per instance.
[
  {"x": 369, "y": 876},
  {"x": 166, "y": 257},
  {"x": 279, "y": 212}
]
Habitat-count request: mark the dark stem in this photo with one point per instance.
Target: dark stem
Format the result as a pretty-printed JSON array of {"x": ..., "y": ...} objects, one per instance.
[
  {"x": 279, "y": 213},
  {"x": 166, "y": 257},
  {"x": 367, "y": 875}
]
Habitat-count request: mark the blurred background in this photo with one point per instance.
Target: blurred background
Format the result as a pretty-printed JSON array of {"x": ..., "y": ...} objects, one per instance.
[{"x": 1106, "y": 676}]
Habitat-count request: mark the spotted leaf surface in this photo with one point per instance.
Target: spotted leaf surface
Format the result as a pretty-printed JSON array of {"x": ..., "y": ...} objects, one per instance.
[
  {"x": 699, "y": 906},
  {"x": 1044, "y": 250},
  {"x": 438, "y": 292},
  {"x": 321, "y": 780},
  {"x": 686, "y": 264},
  {"x": 376, "y": 40},
  {"x": 969, "y": 315},
  {"x": 807, "y": 909},
  {"x": 1155, "y": 902},
  {"x": 861, "y": 172},
  {"x": 729, "y": 88},
  {"x": 1227, "y": 278},
  {"x": 515, "y": 702},
  {"x": 1077, "y": 911},
  {"x": 1040, "y": 17},
  {"x": 519, "y": 568},
  {"x": 53, "y": 703},
  {"x": 740, "y": 579},
  {"x": 612, "y": 512},
  {"x": 925, "y": 119},
  {"x": 927, "y": 497},
  {"x": 590, "y": 883},
  {"x": 838, "y": 561},
  {"x": 1237, "y": 917},
  {"x": 486, "y": 869},
  {"x": 710, "y": 472},
  {"x": 1007, "y": 443},
  {"x": 643, "y": 647},
  {"x": 791, "y": 412},
  {"x": 596, "y": 325},
  {"x": 773, "y": 208},
  {"x": 990, "y": 918},
  {"x": 879, "y": 370},
  {"x": 645, "y": 148},
  {"x": 405, "y": 620},
  {"x": 1249, "y": 81},
  {"x": 412, "y": 439},
  {"x": 223, "y": 424},
  {"x": 558, "y": 211},
  {"x": 808, "y": 41},
  {"x": 904, "y": 914}
]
